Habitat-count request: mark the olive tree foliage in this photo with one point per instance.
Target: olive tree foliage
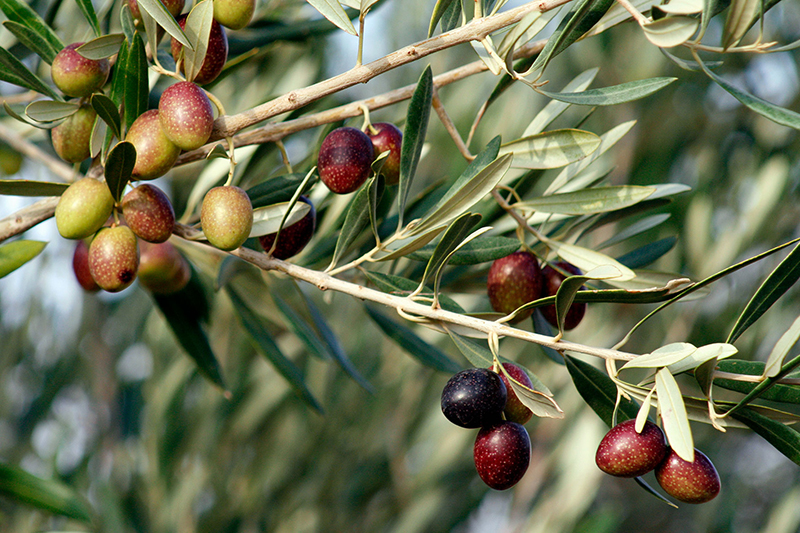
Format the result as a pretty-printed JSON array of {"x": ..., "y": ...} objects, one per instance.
[{"x": 636, "y": 140}]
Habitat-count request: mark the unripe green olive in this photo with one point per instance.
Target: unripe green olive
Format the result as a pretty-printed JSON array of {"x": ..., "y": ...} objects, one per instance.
[{"x": 83, "y": 208}]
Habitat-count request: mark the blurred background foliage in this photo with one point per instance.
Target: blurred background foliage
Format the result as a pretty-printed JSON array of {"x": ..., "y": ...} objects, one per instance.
[{"x": 97, "y": 392}]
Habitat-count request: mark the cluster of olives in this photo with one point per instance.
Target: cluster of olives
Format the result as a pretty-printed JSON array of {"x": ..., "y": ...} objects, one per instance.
[
  {"x": 517, "y": 279},
  {"x": 346, "y": 156},
  {"x": 481, "y": 398},
  {"x": 625, "y": 453}
]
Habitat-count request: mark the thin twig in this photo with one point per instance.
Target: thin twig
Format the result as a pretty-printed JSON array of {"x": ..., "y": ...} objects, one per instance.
[
  {"x": 438, "y": 106},
  {"x": 27, "y": 217},
  {"x": 630, "y": 8}
]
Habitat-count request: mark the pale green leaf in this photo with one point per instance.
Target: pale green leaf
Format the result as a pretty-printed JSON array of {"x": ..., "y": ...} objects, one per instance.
[
  {"x": 617, "y": 94},
  {"x": 15, "y": 72},
  {"x": 414, "y": 243},
  {"x": 453, "y": 236},
  {"x": 551, "y": 149},
  {"x": 741, "y": 15},
  {"x": 33, "y": 40},
  {"x": 87, "y": 8},
  {"x": 50, "y": 110},
  {"x": 164, "y": 18},
  {"x": 587, "y": 259},
  {"x": 197, "y": 30},
  {"x": 15, "y": 254},
  {"x": 664, "y": 356},
  {"x": 781, "y": 349},
  {"x": 101, "y": 47},
  {"x": 673, "y": 414},
  {"x": 588, "y": 201},
  {"x": 333, "y": 11},
  {"x": 671, "y": 31},
  {"x": 267, "y": 219},
  {"x": 555, "y": 108},
  {"x": 638, "y": 227},
  {"x": 682, "y": 7},
  {"x": 539, "y": 403},
  {"x": 16, "y": 187},
  {"x": 703, "y": 354},
  {"x": 22, "y": 13}
]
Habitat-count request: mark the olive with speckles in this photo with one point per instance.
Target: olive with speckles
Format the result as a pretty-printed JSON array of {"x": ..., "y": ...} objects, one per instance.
[
  {"x": 625, "y": 453},
  {"x": 185, "y": 114},
  {"x": 155, "y": 153},
  {"x": 162, "y": 268},
  {"x": 294, "y": 238},
  {"x": 388, "y": 137},
  {"x": 148, "y": 212},
  {"x": 83, "y": 208},
  {"x": 502, "y": 454},
  {"x": 72, "y": 138},
  {"x": 513, "y": 281},
  {"x": 216, "y": 55},
  {"x": 696, "y": 482},
  {"x": 226, "y": 216},
  {"x": 345, "y": 159},
  {"x": 552, "y": 279},
  {"x": 474, "y": 398},
  {"x": 77, "y": 76},
  {"x": 114, "y": 258}
]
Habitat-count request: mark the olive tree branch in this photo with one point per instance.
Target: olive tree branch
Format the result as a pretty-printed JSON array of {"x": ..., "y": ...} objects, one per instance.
[{"x": 62, "y": 170}]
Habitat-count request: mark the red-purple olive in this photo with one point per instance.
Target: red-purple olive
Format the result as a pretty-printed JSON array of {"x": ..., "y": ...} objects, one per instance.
[
  {"x": 72, "y": 138},
  {"x": 155, "y": 153},
  {"x": 515, "y": 410},
  {"x": 80, "y": 266},
  {"x": 114, "y": 258},
  {"x": 388, "y": 138},
  {"x": 625, "y": 453},
  {"x": 148, "y": 212},
  {"x": 552, "y": 281},
  {"x": 696, "y": 482},
  {"x": 77, "y": 76},
  {"x": 216, "y": 54},
  {"x": 502, "y": 454},
  {"x": 186, "y": 115},
  {"x": 292, "y": 239},
  {"x": 513, "y": 281},
  {"x": 345, "y": 159},
  {"x": 162, "y": 268}
]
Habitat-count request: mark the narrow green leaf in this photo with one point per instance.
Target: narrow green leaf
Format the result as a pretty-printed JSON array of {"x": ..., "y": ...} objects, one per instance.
[
  {"x": 587, "y": 259},
  {"x": 107, "y": 110},
  {"x": 197, "y": 30},
  {"x": 87, "y": 8},
  {"x": 100, "y": 139},
  {"x": 687, "y": 64},
  {"x": 673, "y": 414},
  {"x": 400, "y": 286},
  {"x": 589, "y": 201},
  {"x": 455, "y": 233},
  {"x": 476, "y": 166},
  {"x": 551, "y": 149},
  {"x": 413, "y": 344},
  {"x": 13, "y": 71},
  {"x": 50, "y": 110},
  {"x": 480, "y": 250},
  {"x": 671, "y": 31},
  {"x": 451, "y": 18},
  {"x": 741, "y": 15},
  {"x": 555, "y": 108},
  {"x": 540, "y": 404},
  {"x": 49, "y": 495},
  {"x": 334, "y": 346},
  {"x": 701, "y": 355},
  {"x": 710, "y": 8},
  {"x": 465, "y": 196},
  {"x": 438, "y": 10},
  {"x": 777, "y": 283},
  {"x": 617, "y": 94},
  {"x": 259, "y": 334},
  {"x": 16, "y": 253},
  {"x": 478, "y": 354},
  {"x": 785, "y": 439},
  {"x": 119, "y": 74},
  {"x": 126, "y": 22},
  {"x": 333, "y": 11},
  {"x": 634, "y": 229},
  {"x": 183, "y": 316},
  {"x": 648, "y": 253},
  {"x": 413, "y": 244},
  {"x": 777, "y": 393},
  {"x": 22, "y": 13},
  {"x": 268, "y": 219},
  {"x": 32, "y": 188},
  {"x": 275, "y": 190},
  {"x": 33, "y": 40},
  {"x": 358, "y": 215},
  {"x": 599, "y": 392},
  {"x": 151, "y": 30},
  {"x": 119, "y": 168},
  {"x": 781, "y": 349},
  {"x": 301, "y": 328},
  {"x": 102, "y": 47},
  {"x": 664, "y": 356},
  {"x": 136, "y": 91},
  {"x": 164, "y": 18},
  {"x": 419, "y": 111}
]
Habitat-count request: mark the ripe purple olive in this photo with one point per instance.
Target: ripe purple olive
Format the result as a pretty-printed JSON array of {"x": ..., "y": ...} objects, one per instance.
[
  {"x": 155, "y": 153},
  {"x": 114, "y": 258},
  {"x": 294, "y": 238},
  {"x": 625, "y": 453},
  {"x": 216, "y": 55},
  {"x": 77, "y": 76},
  {"x": 514, "y": 280},
  {"x": 502, "y": 454},
  {"x": 72, "y": 138},
  {"x": 226, "y": 216},
  {"x": 80, "y": 266},
  {"x": 173, "y": 6},
  {"x": 186, "y": 116},
  {"x": 515, "y": 410},
  {"x": 696, "y": 482},
  {"x": 388, "y": 137},
  {"x": 345, "y": 159},
  {"x": 148, "y": 212},
  {"x": 162, "y": 268},
  {"x": 474, "y": 398},
  {"x": 234, "y": 14},
  {"x": 83, "y": 208},
  {"x": 552, "y": 282}
]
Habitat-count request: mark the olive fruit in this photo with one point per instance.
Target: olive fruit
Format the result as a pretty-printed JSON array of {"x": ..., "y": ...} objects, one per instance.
[
  {"x": 234, "y": 14},
  {"x": 148, "y": 212},
  {"x": 502, "y": 454},
  {"x": 80, "y": 266},
  {"x": 474, "y": 398},
  {"x": 625, "y": 453},
  {"x": 695, "y": 482},
  {"x": 514, "y": 280},
  {"x": 77, "y": 76},
  {"x": 72, "y": 138},
  {"x": 162, "y": 268},
  {"x": 388, "y": 137},
  {"x": 216, "y": 54},
  {"x": 114, "y": 258},
  {"x": 515, "y": 410},
  {"x": 292, "y": 239},
  {"x": 552, "y": 281},
  {"x": 185, "y": 114},
  {"x": 173, "y": 6},
  {"x": 83, "y": 208},
  {"x": 345, "y": 159},
  {"x": 155, "y": 153},
  {"x": 226, "y": 216}
]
